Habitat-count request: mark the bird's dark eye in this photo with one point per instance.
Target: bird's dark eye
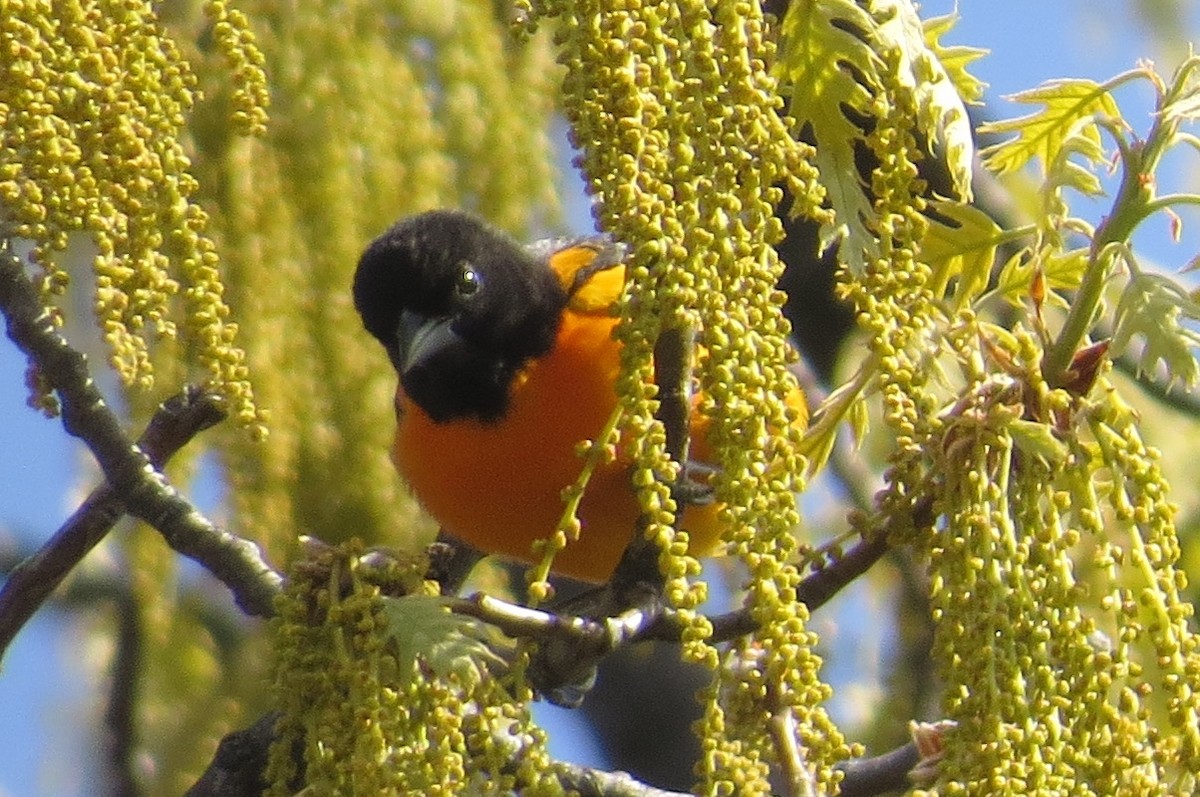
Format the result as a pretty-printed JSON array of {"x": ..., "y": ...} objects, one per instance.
[{"x": 468, "y": 282}]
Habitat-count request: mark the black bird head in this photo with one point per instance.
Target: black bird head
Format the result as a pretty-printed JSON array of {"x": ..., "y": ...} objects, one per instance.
[{"x": 460, "y": 308}]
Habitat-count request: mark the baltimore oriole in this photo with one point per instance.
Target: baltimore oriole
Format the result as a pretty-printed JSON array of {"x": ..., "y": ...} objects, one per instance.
[{"x": 506, "y": 362}]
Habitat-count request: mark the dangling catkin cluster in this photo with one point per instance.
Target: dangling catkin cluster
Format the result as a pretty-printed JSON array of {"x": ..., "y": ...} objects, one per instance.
[
  {"x": 123, "y": 134},
  {"x": 94, "y": 99},
  {"x": 393, "y": 696},
  {"x": 1059, "y": 628},
  {"x": 684, "y": 148}
]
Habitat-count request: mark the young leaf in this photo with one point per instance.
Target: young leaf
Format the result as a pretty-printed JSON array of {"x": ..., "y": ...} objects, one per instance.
[
  {"x": 941, "y": 86},
  {"x": 961, "y": 242},
  {"x": 1038, "y": 440},
  {"x": 827, "y": 68},
  {"x": 955, "y": 59},
  {"x": 1066, "y": 171},
  {"x": 1043, "y": 134},
  {"x": 1016, "y": 276},
  {"x": 1060, "y": 271},
  {"x": 1151, "y": 306},
  {"x": 1184, "y": 105},
  {"x": 1064, "y": 270},
  {"x": 1072, "y": 175},
  {"x": 842, "y": 405},
  {"x": 858, "y": 417},
  {"x": 423, "y": 629},
  {"x": 831, "y": 62}
]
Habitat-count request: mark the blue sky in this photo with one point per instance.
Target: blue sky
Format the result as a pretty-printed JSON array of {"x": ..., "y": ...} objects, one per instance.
[{"x": 43, "y": 690}]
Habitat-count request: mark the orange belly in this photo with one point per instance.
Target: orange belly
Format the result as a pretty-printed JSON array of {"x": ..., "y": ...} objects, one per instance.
[{"x": 498, "y": 486}]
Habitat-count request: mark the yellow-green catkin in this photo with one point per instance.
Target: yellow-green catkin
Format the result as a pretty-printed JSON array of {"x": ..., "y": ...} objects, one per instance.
[
  {"x": 94, "y": 100},
  {"x": 1055, "y": 595},
  {"x": 358, "y": 717},
  {"x": 895, "y": 306},
  {"x": 684, "y": 147},
  {"x": 378, "y": 111},
  {"x": 125, "y": 125},
  {"x": 98, "y": 178},
  {"x": 1059, "y": 630},
  {"x": 1152, "y": 619},
  {"x": 1050, "y": 695}
]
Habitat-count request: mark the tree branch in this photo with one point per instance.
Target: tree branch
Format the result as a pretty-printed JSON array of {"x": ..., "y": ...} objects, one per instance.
[
  {"x": 119, "y": 719},
  {"x": 241, "y": 758},
  {"x": 598, "y": 783},
  {"x": 145, "y": 492},
  {"x": 814, "y": 591},
  {"x": 672, "y": 374},
  {"x": 571, "y": 643},
  {"x": 32, "y": 581},
  {"x": 866, "y": 777}
]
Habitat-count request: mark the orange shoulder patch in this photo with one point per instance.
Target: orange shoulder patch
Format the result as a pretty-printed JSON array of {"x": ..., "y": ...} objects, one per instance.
[{"x": 592, "y": 274}]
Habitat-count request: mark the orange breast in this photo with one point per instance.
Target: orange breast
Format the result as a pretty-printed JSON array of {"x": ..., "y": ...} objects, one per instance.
[{"x": 498, "y": 486}]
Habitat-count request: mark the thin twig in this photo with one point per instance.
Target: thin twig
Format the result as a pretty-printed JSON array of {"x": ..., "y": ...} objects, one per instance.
[
  {"x": 820, "y": 586},
  {"x": 236, "y": 562},
  {"x": 583, "y": 635},
  {"x": 34, "y": 579},
  {"x": 573, "y": 642},
  {"x": 570, "y": 644},
  {"x": 814, "y": 592},
  {"x": 867, "y": 777},
  {"x": 119, "y": 720},
  {"x": 89, "y": 587},
  {"x": 583, "y": 638},
  {"x": 599, "y": 783},
  {"x": 672, "y": 375}
]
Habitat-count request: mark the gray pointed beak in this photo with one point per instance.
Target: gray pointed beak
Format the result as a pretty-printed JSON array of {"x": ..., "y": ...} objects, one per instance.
[{"x": 419, "y": 338}]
